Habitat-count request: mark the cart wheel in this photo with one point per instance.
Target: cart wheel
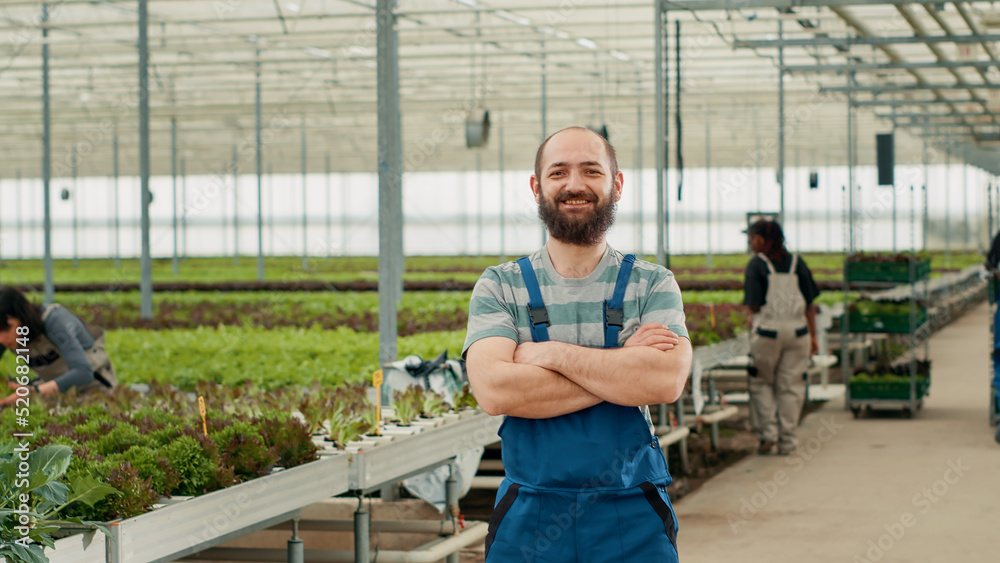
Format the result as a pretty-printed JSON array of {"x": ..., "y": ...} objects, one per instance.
[
  {"x": 856, "y": 411},
  {"x": 907, "y": 412}
]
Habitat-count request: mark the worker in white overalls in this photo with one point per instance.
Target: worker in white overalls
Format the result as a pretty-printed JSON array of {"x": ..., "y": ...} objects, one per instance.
[{"x": 779, "y": 291}]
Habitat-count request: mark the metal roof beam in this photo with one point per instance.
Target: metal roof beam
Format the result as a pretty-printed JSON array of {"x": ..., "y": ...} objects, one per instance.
[
  {"x": 698, "y": 5},
  {"x": 864, "y": 41},
  {"x": 870, "y": 103},
  {"x": 907, "y": 87},
  {"x": 847, "y": 67}
]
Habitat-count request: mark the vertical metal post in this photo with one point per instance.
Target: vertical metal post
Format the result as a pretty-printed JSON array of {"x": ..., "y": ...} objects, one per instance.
[
  {"x": 451, "y": 505},
  {"x": 947, "y": 205},
  {"x": 965, "y": 207},
  {"x": 503, "y": 208},
  {"x": 479, "y": 190},
  {"x": 270, "y": 199},
  {"x": 76, "y": 209},
  {"x": 759, "y": 158},
  {"x": 173, "y": 179},
  {"x": 545, "y": 131},
  {"x": 798, "y": 190},
  {"x": 708, "y": 190},
  {"x": 362, "y": 526},
  {"x": 845, "y": 345},
  {"x": 989, "y": 213},
  {"x": 781, "y": 125},
  {"x": 829, "y": 206},
  {"x": 926, "y": 189},
  {"x": 305, "y": 226},
  {"x": 235, "y": 164},
  {"x": 260, "y": 173},
  {"x": 296, "y": 550},
  {"x": 50, "y": 288},
  {"x": 329, "y": 207},
  {"x": 390, "y": 176},
  {"x": 184, "y": 247},
  {"x": 113, "y": 545},
  {"x": 118, "y": 253},
  {"x": 146, "y": 284},
  {"x": 17, "y": 206},
  {"x": 344, "y": 192},
  {"x": 224, "y": 204},
  {"x": 660, "y": 103},
  {"x": 544, "y": 116},
  {"x": 638, "y": 180},
  {"x": 850, "y": 166}
]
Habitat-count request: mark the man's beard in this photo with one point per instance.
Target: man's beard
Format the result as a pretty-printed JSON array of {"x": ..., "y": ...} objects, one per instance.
[{"x": 581, "y": 231}]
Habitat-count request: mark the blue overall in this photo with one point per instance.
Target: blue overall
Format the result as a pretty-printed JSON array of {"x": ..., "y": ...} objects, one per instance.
[
  {"x": 996, "y": 354},
  {"x": 589, "y": 486}
]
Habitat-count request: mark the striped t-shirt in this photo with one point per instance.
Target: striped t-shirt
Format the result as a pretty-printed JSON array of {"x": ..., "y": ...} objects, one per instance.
[{"x": 575, "y": 305}]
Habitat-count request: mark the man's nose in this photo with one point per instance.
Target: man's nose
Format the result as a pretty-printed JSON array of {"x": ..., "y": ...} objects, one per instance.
[{"x": 576, "y": 179}]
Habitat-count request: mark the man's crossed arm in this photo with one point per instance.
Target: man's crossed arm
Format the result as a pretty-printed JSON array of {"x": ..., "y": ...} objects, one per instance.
[{"x": 546, "y": 379}]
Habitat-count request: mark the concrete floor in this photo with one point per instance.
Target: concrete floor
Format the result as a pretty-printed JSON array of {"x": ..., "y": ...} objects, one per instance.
[{"x": 880, "y": 488}]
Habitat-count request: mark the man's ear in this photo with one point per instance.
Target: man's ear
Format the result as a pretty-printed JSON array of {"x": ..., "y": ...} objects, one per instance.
[
  {"x": 619, "y": 182},
  {"x": 536, "y": 187}
]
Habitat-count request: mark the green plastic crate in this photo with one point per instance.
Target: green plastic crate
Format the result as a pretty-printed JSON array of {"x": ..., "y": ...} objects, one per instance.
[
  {"x": 888, "y": 389},
  {"x": 896, "y": 324},
  {"x": 898, "y": 272}
]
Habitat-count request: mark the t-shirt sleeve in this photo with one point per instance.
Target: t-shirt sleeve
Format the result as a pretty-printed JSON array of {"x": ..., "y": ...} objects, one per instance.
[
  {"x": 663, "y": 304},
  {"x": 60, "y": 329},
  {"x": 490, "y": 313},
  {"x": 755, "y": 283},
  {"x": 807, "y": 285}
]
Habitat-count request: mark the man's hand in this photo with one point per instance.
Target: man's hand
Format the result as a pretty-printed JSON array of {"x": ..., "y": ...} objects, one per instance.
[
  {"x": 653, "y": 335},
  {"x": 529, "y": 353},
  {"x": 813, "y": 346}
]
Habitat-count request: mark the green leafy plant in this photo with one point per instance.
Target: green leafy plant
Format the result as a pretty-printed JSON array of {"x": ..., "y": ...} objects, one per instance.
[
  {"x": 31, "y": 507},
  {"x": 370, "y": 417},
  {"x": 242, "y": 449},
  {"x": 135, "y": 495},
  {"x": 150, "y": 465},
  {"x": 406, "y": 404},
  {"x": 288, "y": 437},
  {"x": 464, "y": 399},
  {"x": 345, "y": 426},
  {"x": 432, "y": 404},
  {"x": 195, "y": 470}
]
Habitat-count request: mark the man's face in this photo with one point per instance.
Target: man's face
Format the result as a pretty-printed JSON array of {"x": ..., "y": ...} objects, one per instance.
[{"x": 576, "y": 193}]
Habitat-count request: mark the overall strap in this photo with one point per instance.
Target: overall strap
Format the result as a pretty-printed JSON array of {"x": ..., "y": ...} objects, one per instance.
[
  {"x": 614, "y": 318},
  {"x": 770, "y": 266},
  {"x": 537, "y": 314},
  {"x": 795, "y": 261}
]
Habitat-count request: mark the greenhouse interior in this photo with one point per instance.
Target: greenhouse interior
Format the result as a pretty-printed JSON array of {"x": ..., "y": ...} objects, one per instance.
[{"x": 250, "y": 248}]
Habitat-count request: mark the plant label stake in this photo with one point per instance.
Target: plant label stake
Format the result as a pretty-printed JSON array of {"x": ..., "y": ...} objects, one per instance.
[
  {"x": 711, "y": 311},
  {"x": 377, "y": 382},
  {"x": 201, "y": 409}
]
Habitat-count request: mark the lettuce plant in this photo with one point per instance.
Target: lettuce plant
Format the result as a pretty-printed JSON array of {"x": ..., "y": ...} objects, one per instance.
[{"x": 32, "y": 508}]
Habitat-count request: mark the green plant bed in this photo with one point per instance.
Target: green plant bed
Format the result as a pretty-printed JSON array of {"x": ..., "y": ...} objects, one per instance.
[
  {"x": 157, "y": 446},
  {"x": 270, "y": 358}
]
